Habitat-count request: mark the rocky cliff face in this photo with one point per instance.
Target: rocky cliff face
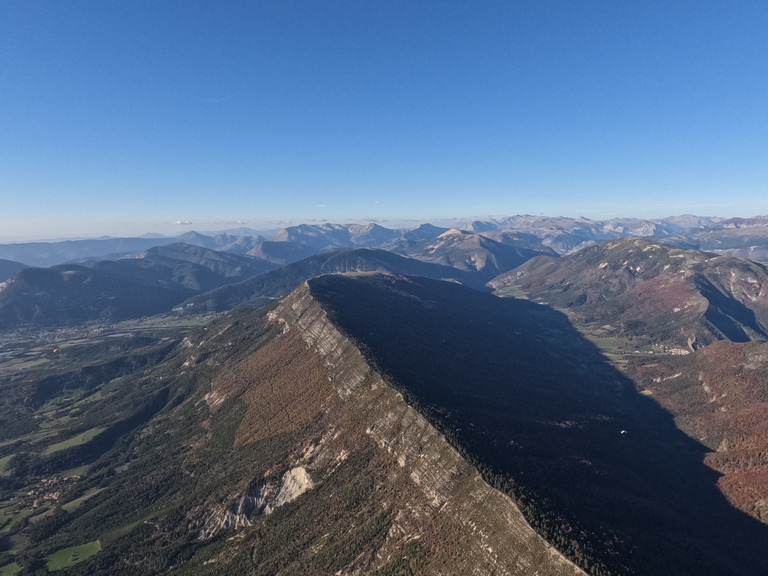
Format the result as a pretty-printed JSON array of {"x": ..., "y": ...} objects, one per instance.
[
  {"x": 539, "y": 411},
  {"x": 440, "y": 500},
  {"x": 262, "y": 498}
]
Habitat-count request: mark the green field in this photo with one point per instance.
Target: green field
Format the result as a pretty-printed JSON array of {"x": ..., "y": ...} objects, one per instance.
[
  {"x": 9, "y": 569},
  {"x": 73, "y": 441},
  {"x": 70, "y": 556},
  {"x": 33, "y": 437},
  {"x": 24, "y": 358},
  {"x": 4, "y": 462},
  {"x": 513, "y": 291},
  {"x": 61, "y": 420},
  {"x": 19, "y": 364},
  {"x": 166, "y": 321},
  {"x": 79, "y": 471},
  {"x": 15, "y": 519},
  {"x": 69, "y": 506}
]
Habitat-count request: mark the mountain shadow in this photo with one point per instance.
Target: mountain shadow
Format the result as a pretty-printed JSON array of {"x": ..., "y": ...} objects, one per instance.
[
  {"x": 68, "y": 294},
  {"x": 598, "y": 469},
  {"x": 8, "y": 268},
  {"x": 727, "y": 315}
]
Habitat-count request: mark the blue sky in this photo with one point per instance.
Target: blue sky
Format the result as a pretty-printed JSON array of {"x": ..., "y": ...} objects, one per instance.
[{"x": 126, "y": 117}]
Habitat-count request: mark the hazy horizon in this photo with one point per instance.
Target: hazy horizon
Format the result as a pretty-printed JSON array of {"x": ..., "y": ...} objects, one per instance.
[{"x": 272, "y": 227}]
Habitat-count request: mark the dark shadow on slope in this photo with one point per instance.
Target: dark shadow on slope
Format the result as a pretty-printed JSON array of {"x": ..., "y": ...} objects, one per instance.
[
  {"x": 67, "y": 294},
  {"x": 727, "y": 315},
  {"x": 597, "y": 468}
]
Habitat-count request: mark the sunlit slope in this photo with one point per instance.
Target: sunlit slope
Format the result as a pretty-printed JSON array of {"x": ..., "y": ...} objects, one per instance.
[
  {"x": 369, "y": 424},
  {"x": 651, "y": 292}
]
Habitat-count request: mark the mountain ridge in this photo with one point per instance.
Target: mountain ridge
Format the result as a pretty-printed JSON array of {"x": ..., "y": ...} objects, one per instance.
[
  {"x": 267, "y": 287},
  {"x": 161, "y": 278},
  {"x": 742, "y": 237},
  {"x": 669, "y": 295},
  {"x": 8, "y": 268},
  {"x": 550, "y": 407},
  {"x": 268, "y": 444}
]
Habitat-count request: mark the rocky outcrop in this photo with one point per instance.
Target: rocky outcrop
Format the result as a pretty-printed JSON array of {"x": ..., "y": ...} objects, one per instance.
[{"x": 262, "y": 498}]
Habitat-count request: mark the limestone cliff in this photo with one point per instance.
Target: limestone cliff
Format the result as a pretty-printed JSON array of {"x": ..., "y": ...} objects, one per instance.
[{"x": 467, "y": 526}]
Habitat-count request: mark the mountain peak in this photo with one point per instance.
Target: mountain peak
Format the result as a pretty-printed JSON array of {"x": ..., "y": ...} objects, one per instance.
[{"x": 455, "y": 232}]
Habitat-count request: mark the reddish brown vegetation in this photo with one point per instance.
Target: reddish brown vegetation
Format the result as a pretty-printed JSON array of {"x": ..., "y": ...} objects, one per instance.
[
  {"x": 719, "y": 395},
  {"x": 282, "y": 384}
]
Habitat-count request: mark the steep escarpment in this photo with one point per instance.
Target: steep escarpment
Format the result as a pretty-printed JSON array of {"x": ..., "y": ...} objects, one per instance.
[
  {"x": 274, "y": 447},
  {"x": 435, "y": 500},
  {"x": 596, "y": 467}
]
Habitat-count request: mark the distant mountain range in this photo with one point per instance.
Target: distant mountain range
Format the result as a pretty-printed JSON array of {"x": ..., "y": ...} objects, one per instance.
[
  {"x": 474, "y": 255},
  {"x": 196, "y": 279},
  {"x": 182, "y": 265},
  {"x": 487, "y": 255},
  {"x": 159, "y": 279},
  {"x": 8, "y": 268},
  {"x": 267, "y": 287},
  {"x": 741, "y": 237},
  {"x": 43, "y": 254}
]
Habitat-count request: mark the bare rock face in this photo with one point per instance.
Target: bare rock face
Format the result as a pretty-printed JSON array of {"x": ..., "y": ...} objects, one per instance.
[
  {"x": 295, "y": 482},
  {"x": 237, "y": 515},
  {"x": 262, "y": 498},
  {"x": 366, "y": 483},
  {"x": 433, "y": 495}
]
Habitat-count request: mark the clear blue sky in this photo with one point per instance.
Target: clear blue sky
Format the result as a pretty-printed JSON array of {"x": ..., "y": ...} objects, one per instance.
[{"x": 134, "y": 116}]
